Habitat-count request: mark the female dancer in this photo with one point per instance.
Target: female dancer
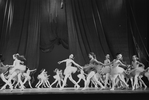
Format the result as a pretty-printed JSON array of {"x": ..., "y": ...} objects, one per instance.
[
  {"x": 92, "y": 68},
  {"x": 81, "y": 76},
  {"x": 58, "y": 77},
  {"x": 43, "y": 79},
  {"x": 3, "y": 71},
  {"x": 17, "y": 63},
  {"x": 69, "y": 70},
  {"x": 117, "y": 71},
  {"x": 106, "y": 69},
  {"x": 16, "y": 70},
  {"x": 28, "y": 77},
  {"x": 138, "y": 68}
]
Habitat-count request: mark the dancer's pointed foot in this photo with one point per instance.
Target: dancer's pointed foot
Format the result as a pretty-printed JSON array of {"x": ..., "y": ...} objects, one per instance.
[
  {"x": 61, "y": 88},
  {"x": 145, "y": 87},
  {"x": 38, "y": 88},
  {"x": 84, "y": 88},
  {"x": 133, "y": 88},
  {"x": 11, "y": 88},
  {"x": 112, "y": 89},
  {"x": 77, "y": 87},
  {"x": 102, "y": 88}
]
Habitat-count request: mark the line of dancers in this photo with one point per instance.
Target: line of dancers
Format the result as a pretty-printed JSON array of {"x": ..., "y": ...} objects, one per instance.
[{"x": 98, "y": 75}]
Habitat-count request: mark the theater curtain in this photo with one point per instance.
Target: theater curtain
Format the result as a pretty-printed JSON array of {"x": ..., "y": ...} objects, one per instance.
[
  {"x": 87, "y": 32},
  {"x": 53, "y": 27},
  {"x": 20, "y": 31},
  {"x": 107, "y": 26},
  {"x": 82, "y": 26},
  {"x": 137, "y": 29}
]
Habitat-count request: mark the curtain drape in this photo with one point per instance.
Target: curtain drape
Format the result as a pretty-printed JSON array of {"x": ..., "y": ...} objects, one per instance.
[
  {"x": 87, "y": 30},
  {"x": 53, "y": 26},
  {"x": 136, "y": 38},
  {"x": 82, "y": 26},
  {"x": 20, "y": 31}
]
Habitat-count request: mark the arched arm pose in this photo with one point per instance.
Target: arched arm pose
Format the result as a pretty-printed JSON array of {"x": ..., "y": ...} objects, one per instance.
[
  {"x": 68, "y": 62},
  {"x": 28, "y": 76},
  {"x": 43, "y": 79},
  {"x": 92, "y": 68},
  {"x": 138, "y": 67},
  {"x": 58, "y": 78},
  {"x": 116, "y": 71},
  {"x": 69, "y": 70}
]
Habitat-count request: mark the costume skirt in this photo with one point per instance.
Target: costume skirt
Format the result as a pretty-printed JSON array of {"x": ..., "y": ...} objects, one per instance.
[{"x": 70, "y": 70}]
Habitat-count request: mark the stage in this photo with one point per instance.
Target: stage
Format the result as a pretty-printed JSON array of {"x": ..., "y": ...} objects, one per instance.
[{"x": 70, "y": 91}]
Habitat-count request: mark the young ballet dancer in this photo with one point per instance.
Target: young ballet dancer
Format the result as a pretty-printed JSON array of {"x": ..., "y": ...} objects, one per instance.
[
  {"x": 106, "y": 70},
  {"x": 16, "y": 70},
  {"x": 3, "y": 71},
  {"x": 27, "y": 76},
  {"x": 58, "y": 78},
  {"x": 116, "y": 71},
  {"x": 92, "y": 68},
  {"x": 81, "y": 76},
  {"x": 138, "y": 67},
  {"x": 69, "y": 70},
  {"x": 43, "y": 80}
]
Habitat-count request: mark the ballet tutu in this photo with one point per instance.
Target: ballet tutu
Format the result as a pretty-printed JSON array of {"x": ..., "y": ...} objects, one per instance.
[
  {"x": 106, "y": 69},
  {"x": 98, "y": 68},
  {"x": 117, "y": 70},
  {"x": 92, "y": 67},
  {"x": 132, "y": 72},
  {"x": 139, "y": 70},
  {"x": 70, "y": 70}
]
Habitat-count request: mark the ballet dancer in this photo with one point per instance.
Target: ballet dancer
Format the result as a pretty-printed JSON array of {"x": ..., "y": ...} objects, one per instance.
[
  {"x": 58, "y": 78},
  {"x": 138, "y": 67},
  {"x": 81, "y": 76},
  {"x": 28, "y": 77},
  {"x": 69, "y": 70},
  {"x": 43, "y": 80},
  {"x": 16, "y": 70},
  {"x": 3, "y": 71},
  {"x": 116, "y": 71},
  {"x": 92, "y": 68},
  {"x": 106, "y": 69}
]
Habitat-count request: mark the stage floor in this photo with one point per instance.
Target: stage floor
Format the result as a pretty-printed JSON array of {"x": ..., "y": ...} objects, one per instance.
[{"x": 69, "y": 91}]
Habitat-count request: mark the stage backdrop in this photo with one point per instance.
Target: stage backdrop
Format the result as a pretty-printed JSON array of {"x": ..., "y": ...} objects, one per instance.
[{"x": 80, "y": 26}]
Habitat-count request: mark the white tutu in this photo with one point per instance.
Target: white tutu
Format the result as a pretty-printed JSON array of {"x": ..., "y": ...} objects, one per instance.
[
  {"x": 70, "y": 70},
  {"x": 117, "y": 70},
  {"x": 106, "y": 69}
]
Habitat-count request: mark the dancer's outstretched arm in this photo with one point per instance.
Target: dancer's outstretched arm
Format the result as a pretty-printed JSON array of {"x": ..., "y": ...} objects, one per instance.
[
  {"x": 141, "y": 64},
  {"x": 98, "y": 61},
  {"x": 121, "y": 63},
  {"x": 62, "y": 61},
  {"x": 32, "y": 70},
  {"x": 77, "y": 64}
]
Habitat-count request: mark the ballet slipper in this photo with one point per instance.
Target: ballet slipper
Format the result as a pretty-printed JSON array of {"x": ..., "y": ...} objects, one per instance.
[{"x": 112, "y": 89}]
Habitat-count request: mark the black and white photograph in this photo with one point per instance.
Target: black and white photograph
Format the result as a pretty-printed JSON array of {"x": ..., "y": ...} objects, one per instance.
[{"x": 73, "y": 47}]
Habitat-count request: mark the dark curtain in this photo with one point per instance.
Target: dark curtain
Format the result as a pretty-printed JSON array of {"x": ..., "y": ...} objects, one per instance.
[
  {"x": 87, "y": 28},
  {"x": 106, "y": 26},
  {"x": 82, "y": 26},
  {"x": 137, "y": 29},
  {"x": 53, "y": 26},
  {"x": 20, "y": 31}
]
